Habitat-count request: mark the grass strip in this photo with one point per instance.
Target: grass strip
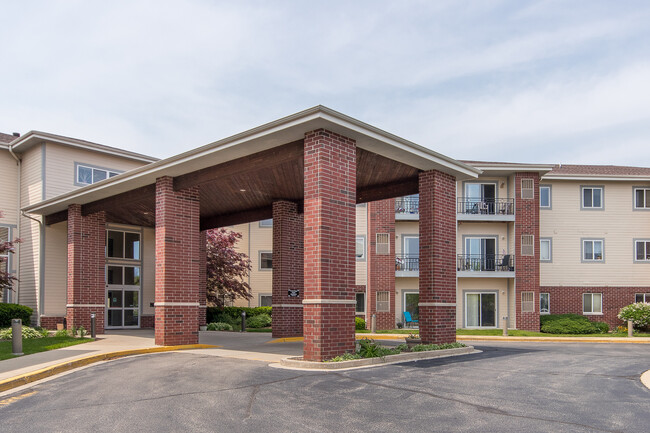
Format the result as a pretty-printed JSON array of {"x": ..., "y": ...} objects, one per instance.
[{"x": 36, "y": 345}]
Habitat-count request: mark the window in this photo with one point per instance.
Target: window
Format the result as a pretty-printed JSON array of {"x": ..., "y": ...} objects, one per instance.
[
  {"x": 123, "y": 275},
  {"x": 383, "y": 302},
  {"x": 527, "y": 302},
  {"x": 266, "y": 260},
  {"x": 360, "y": 248},
  {"x": 480, "y": 310},
  {"x": 382, "y": 244},
  {"x": 592, "y": 250},
  {"x": 266, "y": 300},
  {"x": 545, "y": 196},
  {"x": 641, "y": 198},
  {"x": 5, "y": 235},
  {"x": 544, "y": 303},
  {"x": 527, "y": 189},
  {"x": 592, "y": 197},
  {"x": 122, "y": 245},
  {"x": 642, "y": 250},
  {"x": 545, "y": 254},
  {"x": 267, "y": 223},
  {"x": 642, "y": 297},
  {"x": 87, "y": 174},
  {"x": 592, "y": 303},
  {"x": 527, "y": 245},
  {"x": 360, "y": 307}
]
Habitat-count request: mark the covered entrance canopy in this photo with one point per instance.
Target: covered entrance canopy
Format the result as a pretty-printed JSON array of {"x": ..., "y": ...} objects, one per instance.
[{"x": 307, "y": 171}]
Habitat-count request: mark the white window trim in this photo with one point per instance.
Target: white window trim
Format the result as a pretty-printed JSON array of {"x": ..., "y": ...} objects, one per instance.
[
  {"x": 259, "y": 260},
  {"x": 550, "y": 197},
  {"x": 363, "y": 257},
  {"x": 592, "y": 187},
  {"x": 592, "y": 304},
  {"x": 646, "y": 297},
  {"x": 259, "y": 298},
  {"x": 647, "y": 195},
  {"x": 634, "y": 251},
  {"x": 582, "y": 250},
  {"x": 550, "y": 250},
  {"x": 496, "y": 308},
  {"x": 108, "y": 171}
]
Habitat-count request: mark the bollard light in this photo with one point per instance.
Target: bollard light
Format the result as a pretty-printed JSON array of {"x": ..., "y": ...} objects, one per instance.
[
  {"x": 505, "y": 326},
  {"x": 630, "y": 329},
  {"x": 373, "y": 323},
  {"x": 16, "y": 337},
  {"x": 92, "y": 325},
  {"x": 243, "y": 321}
]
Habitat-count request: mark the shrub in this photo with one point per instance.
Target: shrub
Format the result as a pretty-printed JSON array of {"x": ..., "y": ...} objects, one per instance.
[
  {"x": 28, "y": 333},
  {"x": 259, "y": 321},
  {"x": 219, "y": 326},
  {"x": 345, "y": 357},
  {"x": 569, "y": 325},
  {"x": 638, "y": 313},
  {"x": 217, "y": 314},
  {"x": 14, "y": 311},
  {"x": 82, "y": 332},
  {"x": 602, "y": 327},
  {"x": 545, "y": 318},
  {"x": 61, "y": 333},
  {"x": 359, "y": 323},
  {"x": 424, "y": 347}
]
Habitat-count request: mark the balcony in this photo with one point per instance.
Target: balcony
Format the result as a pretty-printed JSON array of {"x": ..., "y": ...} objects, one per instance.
[
  {"x": 494, "y": 209},
  {"x": 407, "y": 266},
  {"x": 485, "y": 265},
  {"x": 407, "y": 208}
]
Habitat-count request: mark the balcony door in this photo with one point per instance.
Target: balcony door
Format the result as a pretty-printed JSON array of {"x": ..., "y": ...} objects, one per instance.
[
  {"x": 480, "y": 197},
  {"x": 481, "y": 253},
  {"x": 480, "y": 310},
  {"x": 411, "y": 253}
]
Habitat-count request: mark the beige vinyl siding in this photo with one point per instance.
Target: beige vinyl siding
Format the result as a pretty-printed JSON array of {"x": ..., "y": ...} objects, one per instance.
[
  {"x": 404, "y": 228},
  {"x": 261, "y": 239},
  {"x": 31, "y": 192},
  {"x": 56, "y": 266},
  {"x": 498, "y": 285},
  {"x": 404, "y": 285},
  {"x": 243, "y": 247},
  {"x": 60, "y": 166},
  {"x": 9, "y": 189},
  {"x": 148, "y": 270},
  {"x": 618, "y": 225},
  {"x": 361, "y": 267}
]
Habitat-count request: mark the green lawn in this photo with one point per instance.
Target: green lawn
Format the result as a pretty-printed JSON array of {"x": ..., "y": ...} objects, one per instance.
[
  {"x": 389, "y": 331},
  {"x": 36, "y": 345}
]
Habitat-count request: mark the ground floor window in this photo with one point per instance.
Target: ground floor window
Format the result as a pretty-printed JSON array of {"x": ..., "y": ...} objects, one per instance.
[
  {"x": 266, "y": 300},
  {"x": 383, "y": 302},
  {"x": 411, "y": 304},
  {"x": 544, "y": 303},
  {"x": 480, "y": 310},
  {"x": 642, "y": 297},
  {"x": 592, "y": 303},
  {"x": 360, "y": 308}
]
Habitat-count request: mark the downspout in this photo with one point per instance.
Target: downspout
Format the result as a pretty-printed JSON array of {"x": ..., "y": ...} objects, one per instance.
[{"x": 20, "y": 166}]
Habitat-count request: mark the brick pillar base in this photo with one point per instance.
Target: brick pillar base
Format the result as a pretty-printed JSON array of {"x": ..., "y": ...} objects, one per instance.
[
  {"x": 177, "y": 264},
  {"x": 437, "y": 257},
  {"x": 330, "y": 211},
  {"x": 86, "y": 269},
  {"x": 287, "y": 270}
]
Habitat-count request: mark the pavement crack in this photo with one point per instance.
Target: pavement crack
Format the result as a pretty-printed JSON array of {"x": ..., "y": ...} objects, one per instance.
[
  {"x": 478, "y": 407},
  {"x": 251, "y": 401}
]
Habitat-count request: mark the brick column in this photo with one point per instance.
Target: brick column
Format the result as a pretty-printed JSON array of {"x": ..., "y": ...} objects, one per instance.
[
  {"x": 203, "y": 277},
  {"x": 437, "y": 257},
  {"x": 381, "y": 267},
  {"x": 177, "y": 264},
  {"x": 527, "y": 267},
  {"x": 86, "y": 268},
  {"x": 287, "y": 270},
  {"x": 330, "y": 200}
]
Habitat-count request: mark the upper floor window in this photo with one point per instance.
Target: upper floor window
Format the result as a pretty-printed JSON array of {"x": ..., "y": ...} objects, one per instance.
[
  {"x": 642, "y": 250},
  {"x": 266, "y": 260},
  {"x": 527, "y": 189},
  {"x": 87, "y": 174},
  {"x": 5, "y": 236},
  {"x": 641, "y": 198},
  {"x": 122, "y": 245},
  {"x": 592, "y": 250},
  {"x": 545, "y": 254},
  {"x": 545, "y": 196},
  {"x": 360, "y": 248},
  {"x": 267, "y": 223},
  {"x": 592, "y": 197},
  {"x": 266, "y": 300}
]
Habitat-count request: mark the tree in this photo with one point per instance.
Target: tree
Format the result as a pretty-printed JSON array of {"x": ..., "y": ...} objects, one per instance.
[
  {"x": 6, "y": 248},
  {"x": 227, "y": 269}
]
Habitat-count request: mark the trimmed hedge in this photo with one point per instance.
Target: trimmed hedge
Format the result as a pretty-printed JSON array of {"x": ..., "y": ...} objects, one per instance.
[
  {"x": 232, "y": 315},
  {"x": 14, "y": 311},
  {"x": 259, "y": 321},
  {"x": 359, "y": 323},
  {"x": 571, "y": 324}
]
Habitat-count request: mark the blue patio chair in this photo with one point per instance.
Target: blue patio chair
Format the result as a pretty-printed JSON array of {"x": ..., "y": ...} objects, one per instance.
[{"x": 408, "y": 319}]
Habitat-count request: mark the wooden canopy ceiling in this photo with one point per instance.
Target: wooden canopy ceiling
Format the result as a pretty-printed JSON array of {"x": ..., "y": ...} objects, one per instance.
[{"x": 243, "y": 190}]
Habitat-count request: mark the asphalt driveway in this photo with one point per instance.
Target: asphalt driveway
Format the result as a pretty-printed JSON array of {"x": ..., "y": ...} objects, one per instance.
[{"x": 510, "y": 387}]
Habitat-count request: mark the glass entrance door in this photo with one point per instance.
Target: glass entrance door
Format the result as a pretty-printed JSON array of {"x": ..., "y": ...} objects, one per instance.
[
  {"x": 480, "y": 310},
  {"x": 122, "y": 296},
  {"x": 411, "y": 301}
]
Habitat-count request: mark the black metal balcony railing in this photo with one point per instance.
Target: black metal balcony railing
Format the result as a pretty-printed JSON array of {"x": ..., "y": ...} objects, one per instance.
[
  {"x": 407, "y": 263},
  {"x": 407, "y": 205},
  {"x": 486, "y": 263},
  {"x": 493, "y": 206}
]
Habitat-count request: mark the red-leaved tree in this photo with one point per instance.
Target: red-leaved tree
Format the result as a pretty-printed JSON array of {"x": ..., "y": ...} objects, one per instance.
[
  {"x": 227, "y": 269},
  {"x": 6, "y": 248}
]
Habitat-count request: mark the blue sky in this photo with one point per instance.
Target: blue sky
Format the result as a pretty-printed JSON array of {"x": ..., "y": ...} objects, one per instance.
[{"x": 547, "y": 81}]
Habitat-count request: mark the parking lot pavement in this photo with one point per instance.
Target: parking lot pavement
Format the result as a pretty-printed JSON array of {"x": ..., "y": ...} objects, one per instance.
[{"x": 509, "y": 387}]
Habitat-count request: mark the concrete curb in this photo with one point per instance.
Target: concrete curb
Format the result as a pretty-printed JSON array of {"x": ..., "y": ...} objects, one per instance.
[
  {"x": 298, "y": 363},
  {"x": 620, "y": 340},
  {"x": 33, "y": 376},
  {"x": 645, "y": 379}
]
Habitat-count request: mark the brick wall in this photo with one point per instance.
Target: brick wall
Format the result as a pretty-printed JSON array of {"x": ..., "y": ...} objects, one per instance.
[
  {"x": 203, "y": 276},
  {"x": 86, "y": 268},
  {"x": 287, "y": 270},
  {"x": 329, "y": 233},
  {"x": 177, "y": 264},
  {"x": 437, "y": 257},
  {"x": 50, "y": 322},
  {"x": 563, "y": 300},
  {"x": 381, "y": 268},
  {"x": 147, "y": 321},
  {"x": 527, "y": 267}
]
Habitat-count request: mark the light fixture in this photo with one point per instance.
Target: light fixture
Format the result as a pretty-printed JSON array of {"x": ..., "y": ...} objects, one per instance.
[{"x": 242, "y": 190}]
